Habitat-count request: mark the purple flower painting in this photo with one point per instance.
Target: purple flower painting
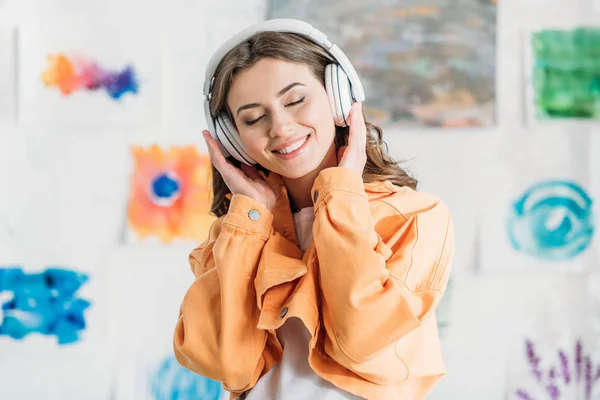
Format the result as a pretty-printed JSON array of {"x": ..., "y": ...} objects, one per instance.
[{"x": 573, "y": 373}]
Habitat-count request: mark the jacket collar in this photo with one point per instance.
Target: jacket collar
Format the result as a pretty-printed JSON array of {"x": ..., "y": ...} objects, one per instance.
[{"x": 283, "y": 221}]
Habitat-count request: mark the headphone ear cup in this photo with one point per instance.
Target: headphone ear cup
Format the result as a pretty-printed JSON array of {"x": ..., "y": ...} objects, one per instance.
[
  {"x": 331, "y": 92},
  {"x": 345, "y": 98},
  {"x": 215, "y": 131},
  {"x": 231, "y": 140},
  {"x": 221, "y": 137},
  {"x": 339, "y": 91}
]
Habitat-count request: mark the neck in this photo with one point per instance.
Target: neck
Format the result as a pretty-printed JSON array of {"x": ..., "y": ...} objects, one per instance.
[{"x": 299, "y": 188}]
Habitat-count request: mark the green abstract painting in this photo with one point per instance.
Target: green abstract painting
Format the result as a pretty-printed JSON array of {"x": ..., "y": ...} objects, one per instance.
[{"x": 566, "y": 73}]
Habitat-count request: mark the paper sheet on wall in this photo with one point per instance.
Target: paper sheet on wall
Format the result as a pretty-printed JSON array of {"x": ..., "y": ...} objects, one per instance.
[
  {"x": 594, "y": 161},
  {"x": 148, "y": 285},
  {"x": 559, "y": 353},
  {"x": 15, "y": 170},
  {"x": 55, "y": 379},
  {"x": 169, "y": 194},
  {"x": 560, "y": 66},
  {"x": 504, "y": 307},
  {"x": 453, "y": 184},
  {"x": 537, "y": 209},
  {"x": 75, "y": 198},
  {"x": 54, "y": 327},
  {"x": 7, "y": 75},
  {"x": 89, "y": 75},
  {"x": 53, "y": 310}
]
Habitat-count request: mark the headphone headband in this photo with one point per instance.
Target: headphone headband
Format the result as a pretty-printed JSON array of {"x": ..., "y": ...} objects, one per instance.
[{"x": 284, "y": 25}]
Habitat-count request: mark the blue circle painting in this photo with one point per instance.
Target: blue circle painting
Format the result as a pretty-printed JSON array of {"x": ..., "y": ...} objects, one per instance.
[
  {"x": 553, "y": 221},
  {"x": 173, "y": 382}
]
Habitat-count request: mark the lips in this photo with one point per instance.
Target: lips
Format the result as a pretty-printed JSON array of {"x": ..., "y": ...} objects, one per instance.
[
  {"x": 299, "y": 147},
  {"x": 288, "y": 143}
]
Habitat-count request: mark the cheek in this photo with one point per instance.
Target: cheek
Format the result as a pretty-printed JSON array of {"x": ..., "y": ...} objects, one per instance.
[
  {"x": 318, "y": 113},
  {"x": 254, "y": 144}
]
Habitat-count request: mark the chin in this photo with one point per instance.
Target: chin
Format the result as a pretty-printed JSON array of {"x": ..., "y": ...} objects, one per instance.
[{"x": 298, "y": 171}]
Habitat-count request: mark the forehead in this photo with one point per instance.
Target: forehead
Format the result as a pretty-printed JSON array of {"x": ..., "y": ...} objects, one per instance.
[{"x": 267, "y": 77}]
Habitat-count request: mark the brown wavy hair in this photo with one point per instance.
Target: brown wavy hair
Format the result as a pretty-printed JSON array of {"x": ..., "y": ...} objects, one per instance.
[{"x": 294, "y": 48}]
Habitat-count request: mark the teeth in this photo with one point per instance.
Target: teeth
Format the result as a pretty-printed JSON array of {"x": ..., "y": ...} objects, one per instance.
[{"x": 292, "y": 146}]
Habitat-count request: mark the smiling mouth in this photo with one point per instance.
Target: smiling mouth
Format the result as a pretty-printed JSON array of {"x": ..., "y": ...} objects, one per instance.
[{"x": 292, "y": 147}]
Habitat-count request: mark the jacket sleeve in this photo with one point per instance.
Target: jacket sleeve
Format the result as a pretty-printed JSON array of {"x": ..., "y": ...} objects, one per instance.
[
  {"x": 380, "y": 294},
  {"x": 216, "y": 334}
]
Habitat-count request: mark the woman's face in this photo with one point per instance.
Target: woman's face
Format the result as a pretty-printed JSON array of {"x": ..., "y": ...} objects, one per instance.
[{"x": 282, "y": 113}]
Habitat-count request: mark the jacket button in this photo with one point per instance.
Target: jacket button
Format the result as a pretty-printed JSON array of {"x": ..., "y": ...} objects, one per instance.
[
  {"x": 315, "y": 196},
  {"x": 283, "y": 312},
  {"x": 254, "y": 215}
]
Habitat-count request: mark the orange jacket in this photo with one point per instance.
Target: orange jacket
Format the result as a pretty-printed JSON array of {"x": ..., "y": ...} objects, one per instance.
[{"x": 366, "y": 288}]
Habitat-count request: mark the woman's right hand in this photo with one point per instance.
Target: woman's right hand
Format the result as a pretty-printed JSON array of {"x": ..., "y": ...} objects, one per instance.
[{"x": 246, "y": 181}]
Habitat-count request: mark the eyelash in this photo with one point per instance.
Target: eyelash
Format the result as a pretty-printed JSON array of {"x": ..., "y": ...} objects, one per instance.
[{"x": 249, "y": 123}]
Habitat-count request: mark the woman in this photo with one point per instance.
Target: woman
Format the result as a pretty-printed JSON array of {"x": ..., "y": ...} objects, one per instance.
[{"x": 321, "y": 276}]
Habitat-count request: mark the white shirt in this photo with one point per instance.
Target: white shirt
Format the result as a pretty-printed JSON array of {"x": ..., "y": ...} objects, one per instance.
[{"x": 292, "y": 378}]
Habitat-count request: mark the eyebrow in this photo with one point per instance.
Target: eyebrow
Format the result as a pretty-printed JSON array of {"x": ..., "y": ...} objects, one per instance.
[{"x": 279, "y": 94}]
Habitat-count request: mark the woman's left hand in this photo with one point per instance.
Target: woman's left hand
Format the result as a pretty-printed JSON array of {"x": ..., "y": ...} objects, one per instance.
[{"x": 354, "y": 156}]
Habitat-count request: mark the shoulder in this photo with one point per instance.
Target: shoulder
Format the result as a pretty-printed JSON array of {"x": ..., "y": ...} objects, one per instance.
[{"x": 406, "y": 203}]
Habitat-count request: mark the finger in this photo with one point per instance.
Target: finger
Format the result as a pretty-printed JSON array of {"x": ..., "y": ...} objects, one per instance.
[
  {"x": 216, "y": 157},
  {"x": 234, "y": 177},
  {"x": 354, "y": 125},
  {"x": 362, "y": 134}
]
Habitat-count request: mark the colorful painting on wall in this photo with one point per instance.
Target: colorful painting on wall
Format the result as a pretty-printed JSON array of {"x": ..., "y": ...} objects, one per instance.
[
  {"x": 420, "y": 64},
  {"x": 552, "y": 220},
  {"x": 569, "y": 373},
  {"x": 546, "y": 224},
  {"x": 170, "y": 381},
  {"x": 71, "y": 74},
  {"x": 537, "y": 212},
  {"x": 44, "y": 303},
  {"x": 89, "y": 75},
  {"x": 563, "y": 68},
  {"x": 169, "y": 194}
]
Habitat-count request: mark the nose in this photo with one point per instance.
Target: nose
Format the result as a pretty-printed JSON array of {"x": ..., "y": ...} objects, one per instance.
[{"x": 281, "y": 124}]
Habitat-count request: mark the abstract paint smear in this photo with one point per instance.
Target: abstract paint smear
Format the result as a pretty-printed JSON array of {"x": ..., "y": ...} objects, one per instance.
[
  {"x": 553, "y": 220},
  {"x": 169, "y": 193},
  {"x": 428, "y": 64},
  {"x": 75, "y": 73},
  {"x": 173, "y": 382},
  {"x": 43, "y": 303},
  {"x": 566, "y": 73},
  {"x": 572, "y": 376}
]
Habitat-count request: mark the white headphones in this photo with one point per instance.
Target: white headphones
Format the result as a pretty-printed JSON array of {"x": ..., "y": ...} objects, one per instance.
[{"x": 341, "y": 83}]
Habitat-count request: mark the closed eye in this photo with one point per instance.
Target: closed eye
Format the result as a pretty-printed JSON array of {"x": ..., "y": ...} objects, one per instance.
[
  {"x": 248, "y": 123},
  {"x": 296, "y": 102},
  {"x": 299, "y": 101}
]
